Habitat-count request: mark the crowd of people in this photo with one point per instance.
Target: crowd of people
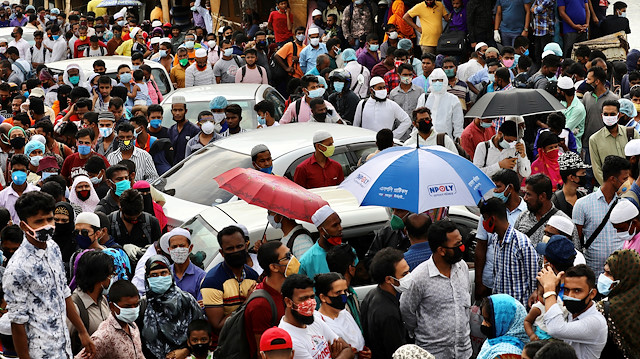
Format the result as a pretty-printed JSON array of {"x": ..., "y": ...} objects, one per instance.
[{"x": 91, "y": 268}]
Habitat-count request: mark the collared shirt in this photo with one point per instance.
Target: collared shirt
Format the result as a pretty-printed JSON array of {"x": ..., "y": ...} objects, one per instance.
[
  {"x": 432, "y": 140},
  {"x": 382, "y": 325},
  {"x": 575, "y": 115},
  {"x": 258, "y": 317},
  {"x": 314, "y": 261},
  {"x": 376, "y": 115},
  {"x": 98, "y": 312},
  {"x": 309, "y": 173},
  {"x": 515, "y": 265},
  {"x": 417, "y": 253},
  {"x": 588, "y": 212},
  {"x": 408, "y": 100},
  {"x": 221, "y": 288},
  {"x": 179, "y": 139},
  {"x": 35, "y": 288},
  {"x": 191, "y": 280},
  {"x": 194, "y": 143},
  {"x": 488, "y": 162},
  {"x": 436, "y": 308},
  {"x": 587, "y": 333},
  {"x": 368, "y": 60},
  {"x": 391, "y": 80},
  {"x": 112, "y": 342},
  {"x": 9, "y": 196},
  {"x": 527, "y": 220},
  {"x": 308, "y": 56},
  {"x": 603, "y": 144},
  {"x": 543, "y": 17},
  {"x": 593, "y": 113},
  {"x": 24, "y": 48},
  {"x": 145, "y": 167},
  {"x": 472, "y": 135}
]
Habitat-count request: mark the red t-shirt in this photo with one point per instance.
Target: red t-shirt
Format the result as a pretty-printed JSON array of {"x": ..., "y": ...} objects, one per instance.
[
  {"x": 73, "y": 165},
  {"x": 79, "y": 46},
  {"x": 257, "y": 315},
  {"x": 279, "y": 22},
  {"x": 472, "y": 136},
  {"x": 309, "y": 174}
]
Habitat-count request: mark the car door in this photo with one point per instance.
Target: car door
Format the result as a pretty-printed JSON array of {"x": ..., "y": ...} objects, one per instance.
[
  {"x": 273, "y": 96},
  {"x": 341, "y": 155}
]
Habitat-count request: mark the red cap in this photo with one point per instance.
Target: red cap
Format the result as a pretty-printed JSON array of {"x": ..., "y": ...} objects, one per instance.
[
  {"x": 167, "y": 25},
  {"x": 275, "y": 339}
]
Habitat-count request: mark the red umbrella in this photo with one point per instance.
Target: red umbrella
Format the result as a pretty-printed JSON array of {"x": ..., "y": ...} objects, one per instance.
[{"x": 275, "y": 193}]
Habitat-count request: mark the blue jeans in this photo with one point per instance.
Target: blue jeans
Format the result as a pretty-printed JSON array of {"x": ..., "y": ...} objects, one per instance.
[{"x": 508, "y": 38}]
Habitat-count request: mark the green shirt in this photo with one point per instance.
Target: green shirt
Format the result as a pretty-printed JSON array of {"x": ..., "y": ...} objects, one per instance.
[
  {"x": 603, "y": 144},
  {"x": 575, "y": 115}
]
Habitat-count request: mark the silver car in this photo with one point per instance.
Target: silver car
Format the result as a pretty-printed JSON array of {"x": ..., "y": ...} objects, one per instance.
[{"x": 27, "y": 34}]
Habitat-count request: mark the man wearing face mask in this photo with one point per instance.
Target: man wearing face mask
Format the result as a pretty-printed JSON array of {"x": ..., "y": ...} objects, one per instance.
[
  {"x": 200, "y": 72},
  {"x": 597, "y": 94},
  {"x": 58, "y": 43},
  {"x": 115, "y": 41},
  {"x": 21, "y": 44},
  {"x": 320, "y": 112},
  {"x": 309, "y": 54},
  {"x": 575, "y": 112},
  {"x": 586, "y": 328},
  {"x": 574, "y": 175},
  {"x": 319, "y": 170},
  {"x": 261, "y": 159},
  {"x": 426, "y": 135},
  {"x": 206, "y": 134},
  {"x": 82, "y": 43},
  {"x": 504, "y": 150},
  {"x": 446, "y": 110},
  {"x": 73, "y": 165},
  {"x": 295, "y": 236},
  {"x": 300, "y": 110},
  {"x": 226, "y": 67},
  {"x": 186, "y": 275},
  {"x": 376, "y": 112},
  {"x": 19, "y": 185},
  {"x": 624, "y": 218},
  {"x": 437, "y": 276},
  {"x": 127, "y": 150},
  {"x": 516, "y": 260},
  {"x": 406, "y": 94},
  {"x": 130, "y": 224},
  {"x": 392, "y": 235}
]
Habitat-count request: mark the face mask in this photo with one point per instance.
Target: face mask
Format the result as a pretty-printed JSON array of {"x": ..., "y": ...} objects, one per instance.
[
  {"x": 228, "y": 52},
  {"x": 211, "y": 44},
  {"x": 46, "y": 175},
  {"x": 125, "y": 78},
  {"x": 458, "y": 253},
  {"x": 35, "y": 160},
  {"x": 261, "y": 121},
  {"x": 393, "y": 35},
  {"x": 320, "y": 117},
  {"x": 486, "y": 124},
  {"x": 626, "y": 236},
  {"x": 135, "y": 67},
  {"x": 99, "y": 33},
  {"x": 17, "y": 142},
  {"x": 588, "y": 87},
  {"x": 396, "y": 223},
  {"x": 128, "y": 315},
  {"x": 575, "y": 305},
  {"x": 526, "y": 52},
  {"x": 122, "y": 186},
  {"x": 406, "y": 79},
  {"x": 163, "y": 53},
  {"x": 317, "y": 93},
  {"x": 338, "y": 302},
  {"x": 160, "y": 285},
  {"x": 82, "y": 38},
  {"x": 262, "y": 44},
  {"x": 84, "y": 242},
  {"x": 504, "y": 144},
  {"x": 96, "y": 180},
  {"x": 338, "y": 86},
  {"x": 314, "y": 42},
  {"x": 403, "y": 284},
  {"x": 582, "y": 180},
  {"x": 502, "y": 196},
  {"x": 610, "y": 120},
  {"x": 121, "y": 23},
  {"x": 56, "y": 37},
  {"x": 437, "y": 87},
  {"x": 18, "y": 177},
  {"x": 553, "y": 154},
  {"x": 105, "y": 131},
  {"x": 380, "y": 94},
  {"x": 450, "y": 73},
  {"x": 487, "y": 331},
  {"x": 3, "y": 50},
  {"x": 508, "y": 63},
  {"x": 189, "y": 44},
  {"x": 300, "y": 38},
  {"x": 273, "y": 223},
  {"x": 489, "y": 226},
  {"x": 329, "y": 150},
  {"x": 359, "y": 2},
  {"x": 84, "y": 149},
  {"x": 83, "y": 195},
  {"x": 266, "y": 170},
  {"x": 155, "y": 123},
  {"x": 306, "y": 308},
  {"x": 424, "y": 126},
  {"x": 623, "y": 14},
  {"x": 207, "y": 127},
  {"x": 126, "y": 145},
  {"x": 42, "y": 234},
  {"x": 200, "y": 350},
  {"x": 605, "y": 284},
  {"x": 183, "y": 62},
  {"x": 236, "y": 259},
  {"x": 179, "y": 255},
  {"x": 492, "y": 77},
  {"x": 373, "y": 48}
]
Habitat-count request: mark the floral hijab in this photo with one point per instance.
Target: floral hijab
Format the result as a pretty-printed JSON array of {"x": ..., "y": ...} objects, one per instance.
[{"x": 624, "y": 310}]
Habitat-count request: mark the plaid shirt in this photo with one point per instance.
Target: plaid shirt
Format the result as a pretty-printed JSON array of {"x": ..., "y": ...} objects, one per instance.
[
  {"x": 543, "y": 17},
  {"x": 391, "y": 80},
  {"x": 515, "y": 265}
]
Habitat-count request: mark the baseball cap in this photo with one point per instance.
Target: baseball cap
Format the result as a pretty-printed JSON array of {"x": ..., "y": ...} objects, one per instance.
[
  {"x": 275, "y": 339},
  {"x": 558, "y": 249}
]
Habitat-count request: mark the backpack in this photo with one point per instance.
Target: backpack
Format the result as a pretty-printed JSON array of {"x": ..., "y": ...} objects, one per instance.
[
  {"x": 233, "y": 341},
  {"x": 355, "y": 83},
  {"x": 461, "y": 151},
  {"x": 115, "y": 231},
  {"x": 76, "y": 345},
  {"x": 295, "y": 235},
  {"x": 244, "y": 71},
  {"x": 297, "y": 104},
  {"x": 27, "y": 74},
  {"x": 277, "y": 72},
  {"x": 237, "y": 60}
]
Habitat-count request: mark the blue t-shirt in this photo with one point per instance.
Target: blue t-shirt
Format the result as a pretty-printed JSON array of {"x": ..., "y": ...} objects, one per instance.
[
  {"x": 513, "y": 15},
  {"x": 417, "y": 254},
  {"x": 576, "y": 12}
]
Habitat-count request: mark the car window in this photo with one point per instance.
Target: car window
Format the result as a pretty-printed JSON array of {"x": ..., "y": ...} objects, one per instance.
[
  {"x": 276, "y": 99},
  {"x": 192, "y": 180},
  {"x": 339, "y": 156},
  {"x": 204, "y": 239},
  {"x": 249, "y": 120},
  {"x": 161, "y": 80}
]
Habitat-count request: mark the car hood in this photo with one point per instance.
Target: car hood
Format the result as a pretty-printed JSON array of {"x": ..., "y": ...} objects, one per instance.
[{"x": 179, "y": 211}]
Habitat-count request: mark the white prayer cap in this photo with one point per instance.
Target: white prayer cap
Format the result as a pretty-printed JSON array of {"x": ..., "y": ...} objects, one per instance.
[
  {"x": 314, "y": 30},
  {"x": 155, "y": 40},
  {"x": 480, "y": 45},
  {"x": 376, "y": 80},
  {"x": 156, "y": 23},
  {"x": 178, "y": 99},
  {"x": 316, "y": 12},
  {"x": 565, "y": 83},
  {"x": 623, "y": 211},
  {"x": 177, "y": 232},
  {"x": 320, "y": 136},
  {"x": 632, "y": 148},
  {"x": 548, "y": 52},
  {"x": 321, "y": 215},
  {"x": 564, "y": 225},
  {"x": 201, "y": 52},
  {"x": 88, "y": 218}
]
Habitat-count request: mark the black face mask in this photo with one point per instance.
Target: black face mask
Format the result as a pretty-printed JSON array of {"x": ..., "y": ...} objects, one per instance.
[
  {"x": 588, "y": 87},
  {"x": 456, "y": 257},
  {"x": 582, "y": 180},
  {"x": 339, "y": 301},
  {"x": 262, "y": 44},
  {"x": 488, "y": 331},
  {"x": 560, "y": 96},
  {"x": 17, "y": 142},
  {"x": 320, "y": 117},
  {"x": 199, "y": 350},
  {"x": 236, "y": 259},
  {"x": 425, "y": 126},
  {"x": 64, "y": 229},
  {"x": 318, "y": 22},
  {"x": 302, "y": 318}
]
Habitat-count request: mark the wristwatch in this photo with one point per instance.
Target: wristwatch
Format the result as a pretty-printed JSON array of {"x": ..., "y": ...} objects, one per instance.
[{"x": 548, "y": 294}]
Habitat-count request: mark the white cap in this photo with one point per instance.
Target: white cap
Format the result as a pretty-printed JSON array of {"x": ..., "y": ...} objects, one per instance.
[
  {"x": 244, "y": 229},
  {"x": 156, "y": 23},
  {"x": 479, "y": 46},
  {"x": 548, "y": 52},
  {"x": 165, "y": 39},
  {"x": 164, "y": 242},
  {"x": 314, "y": 30},
  {"x": 55, "y": 10},
  {"x": 201, "y": 52},
  {"x": 221, "y": 29},
  {"x": 178, "y": 99},
  {"x": 376, "y": 80},
  {"x": 43, "y": 140},
  {"x": 623, "y": 211},
  {"x": 88, "y": 218},
  {"x": 2, "y": 39},
  {"x": 37, "y": 92},
  {"x": 262, "y": 148},
  {"x": 155, "y": 40},
  {"x": 320, "y": 136},
  {"x": 133, "y": 32},
  {"x": 321, "y": 215},
  {"x": 564, "y": 225},
  {"x": 120, "y": 14},
  {"x": 177, "y": 232},
  {"x": 565, "y": 83},
  {"x": 632, "y": 148},
  {"x": 316, "y": 12}
]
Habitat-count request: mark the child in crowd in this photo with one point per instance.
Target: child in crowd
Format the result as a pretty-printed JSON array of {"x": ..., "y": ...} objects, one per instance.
[
  {"x": 534, "y": 321},
  {"x": 199, "y": 339}
]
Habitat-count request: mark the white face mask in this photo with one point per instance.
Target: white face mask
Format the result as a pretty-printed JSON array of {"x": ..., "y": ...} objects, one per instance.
[
  {"x": 273, "y": 223},
  {"x": 610, "y": 120},
  {"x": 179, "y": 255},
  {"x": 314, "y": 41},
  {"x": 208, "y": 127},
  {"x": 380, "y": 94},
  {"x": 393, "y": 35},
  {"x": 218, "y": 117},
  {"x": 626, "y": 236},
  {"x": 404, "y": 283}
]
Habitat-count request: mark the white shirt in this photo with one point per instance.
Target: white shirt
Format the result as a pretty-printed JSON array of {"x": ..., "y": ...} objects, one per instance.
[
  {"x": 587, "y": 333},
  {"x": 355, "y": 69},
  {"x": 468, "y": 69},
  {"x": 432, "y": 140},
  {"x": 23, "y": 47},
  {"x": 194, "y": 77},
  {"x": 344, "y": 326},
  {"x": 312, "y": 342},
  {"x": 523, "y": 165},
  {"x": 40, "y": 55},
  {"x": 377, "y": 115},
  {"x": 59, "y": 49},
  {"x": 446, "y": 113}
]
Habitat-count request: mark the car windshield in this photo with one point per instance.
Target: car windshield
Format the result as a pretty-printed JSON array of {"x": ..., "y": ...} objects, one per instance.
[
  {"x": 194, "y": 108},
  {"x": 192, "y": 180},
  {"x": 204, "y": 240}
]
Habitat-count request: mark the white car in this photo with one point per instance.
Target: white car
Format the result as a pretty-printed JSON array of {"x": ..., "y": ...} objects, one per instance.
[
  {"x": 27, "y": 34},
  {"x": 158, "y": 71},
  {"x": 245, "y": 95}
]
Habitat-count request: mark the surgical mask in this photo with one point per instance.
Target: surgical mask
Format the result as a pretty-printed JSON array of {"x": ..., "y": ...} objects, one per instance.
[
  {"x": 228, "y": 52},
  {"x": 504, "y": 144},
  {"x": 19, "y": 177},
  {"x": 74, "y": 79},
  {"x": 105, "y": 291},
  {"x": 393, "y": 35},
  {"x": 380, "y": 94},
  {"x": 122, "y": 186},
  {"x": 328, "y": 152},
  {"x": 161, "y": 284},
  {"x": 183, "y": 62},
  {"x": 373, "y": 47},
  {"x": 96, "y": 180},
  {"x": 338, "y": 86},
  {"x": 502, "y": 196},
  {"x": 35, "y": 160},
  {"x": 300, "y": 37},
  {"x": 211, "y": 44},
  {"x": 261, "y": 121},
  {"x": 105, "y": 131},
  {"x": 155, "y": 123},
  {"x": 266, "y": 170},
  {"x": 610, "y": 120},
  {"x": 406, "y": 79},
  {"x": 359, "y": 2},
  {"x": 575, "y": 305},
  {"x": 56, "y": 37},
  {"x": 450, "y": 73},
  {"x": 125, "y": 78},
  {"x": 486, "y": 124},
  {"x": 626, "y": 236},
  {"x": 315, "y": 41},
  {"x": 163, "y": 53},
  {"x": 526, "y": 52},
  {"x": 437, "y": 86},
  {"x": 492, "y": 77},
  {"x": 179, "y": 255},
  {"x": 46, "y": 175},
  {"x": 128, "y": 315},
  {"x": 122, "y": 22},
  {"x": 84, "y": 149},
  {"x": 317, "y": 93},
  {"x": 126, "y": 145},
  {"x": 189, "y": 44},
  {"x": 338, "y": 302},
  {"x": 623, "y": 14},
  {"x": 42, "y": 234},
  {"x": 403, "y": 284},
  {"x": 207, "y": 127},
  {"x": 272, "y": 221},
  {"x": 396, "y": 223},
  {"x": 135, "y": 67},
  {"x": 605, "y": 283},
  {"x": 509, "y": 63}
]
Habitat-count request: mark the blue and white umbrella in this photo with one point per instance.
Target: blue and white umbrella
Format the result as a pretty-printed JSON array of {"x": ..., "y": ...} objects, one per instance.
[{"x": 418, "y": 179}]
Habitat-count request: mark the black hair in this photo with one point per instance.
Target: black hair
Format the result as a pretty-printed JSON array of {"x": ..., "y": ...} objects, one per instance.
[
  {"x": 131, "y": 202},
  {"x": 324, "y": 282},
  {"x": 111, "y": 170},
  {"x": 581, "y": 270},
  {"x": 199, "y": 325},
  {"x": 635, "y": 92},
  {"x": 384, "y": 263},
  {"x": 84, "y": 103},
  {"x": 32, "y": 203},
  {"x": 520, "y": 41},
  {"x": 265, "y": 106},
  {"x": 154, "y": 108},
  {"x": 551, "y": 61},
  {"x": 94, "y": 164},
  {"x": 384, "y": 139},
  {"x": 99, "y": 63},
  {"x": 540, "y": 183},
  {"x": 36, "y": 105},
  {"x": 5, "y": 217},
  {"x": 493, "y": 207},
  {"x": 136, "y": 56},
  {"x": 130, "y": 165},
  {"x": 20, "y": 159},
  {"x": 93, "y": 267},
  {"x": 53, "y": 188},
  {"x": 503, "y": 74},
  {"x": 507, "y": 177},
  {"x": 556, "y": 350},
  {"x": 125, "y": 127},
  {"x": 404, "y": 66},
  {"x": 557, "y": 121},
  {"x": 613, "y": 165},
  {"x": 295, "y": 281},
  {"x": 598, "y": 73},
  {"x": 122, "y": 289},
  {"x": 78, "y": 93},
  {"x": 340, "y": 258},
  {"x": 524, "y": 62},
  {"x": 138, "y": 75},
  {"x": 401, "y": 53},
  {"x": 419, "y": 110},
  {"x": 333, "y": 41},
  {"x": 140, "y": 121},
  {"x": 12, "y": 50},
  {"x": 613, "y": 103},
  {"x": 268, "y": 254},
  {"x": 228, "y": 231},
  {"x": 104, "y": 80},
  {"x": 85, "y": 132},
  {"x": 45, "y": 125},
  {"x": 429, "y": 56},
  {"x": 23, "y": 118},
  {"x": 438, "y": 233},
  {"x": 12, "y": 233},
  {"x": 450, "y": 59},
  {"x": 583, "y": 51},
  {"x": 251, "y": 51},
  {"x": 316, "y": 101},
  {"x": 417, "y": 232},
  {"x": 308, "y": 79},
  {"x": 619, "y": 5},
  {"x": 116, "y": 101},
  {"x": 235, "y": 109}
]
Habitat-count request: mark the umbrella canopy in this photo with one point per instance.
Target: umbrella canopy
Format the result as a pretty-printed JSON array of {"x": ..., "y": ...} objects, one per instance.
[
  {"x": 418, "y": 179},
  {"x": 517, "y": 102},
  {"x": 275, "y": 193},
  {"x": 112, "y": 3}
]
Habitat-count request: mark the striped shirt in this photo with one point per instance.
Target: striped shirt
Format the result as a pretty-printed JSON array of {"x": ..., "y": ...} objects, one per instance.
[
  {"x": 221, "y": 288},
  {"x": 515, "y": 265},
  {"x": 145, "y": 168}
]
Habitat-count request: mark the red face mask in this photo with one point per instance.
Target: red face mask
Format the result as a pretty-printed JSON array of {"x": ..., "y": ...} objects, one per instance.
[
  {"x": 489, "y": 225},
  {"x": 334, "y": 241}
]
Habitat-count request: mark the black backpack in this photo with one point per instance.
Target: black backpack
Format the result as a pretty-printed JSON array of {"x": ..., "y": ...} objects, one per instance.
[
  {"x": 278, "y": 74},
  {"x": 233, "y": 342}
]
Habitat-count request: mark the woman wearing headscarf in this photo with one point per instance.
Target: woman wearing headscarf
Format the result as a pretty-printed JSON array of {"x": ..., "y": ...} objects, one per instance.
[
  {"x": 622, "y": 278},
  {"x": 503, "y": 325},
  {"x": 64, "y": 217},
  {"x": 547, "y": 161},
  {"x": 411, "y": 351},
  {"x": 83, "y": 194},
  {"x": 167, "y": 311},
  {"x": 150, "y": 206}
]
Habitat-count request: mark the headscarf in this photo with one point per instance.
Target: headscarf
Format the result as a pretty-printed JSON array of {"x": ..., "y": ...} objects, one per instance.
[
  {"x": 508, "y": 320},
  {"x": 411, "y": 351},
  {"x": 150, "y": 206},
  {"x": 82, "y": 81},
  {"x": 166, "y": 315},
  {"x": 632, "y": 60},
  {"x": 624, "y": 265},
  {"x": 90, "y": 204},
  {"x": 547, "y": 163},
  {"x": 63, "y": 233}
]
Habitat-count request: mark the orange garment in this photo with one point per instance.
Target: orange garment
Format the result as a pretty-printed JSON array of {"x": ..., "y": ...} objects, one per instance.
[
  {"x": 397, "y": 12},
  {"x": 192, "y": 57},
  {"x": 56, "y": 107},
  {"x": 8, "y": 120}
]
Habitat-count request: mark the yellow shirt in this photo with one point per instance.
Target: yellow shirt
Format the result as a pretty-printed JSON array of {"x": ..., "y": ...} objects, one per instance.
[
  {"x": 93, "y": 6},
  {"x": 156, "y": 14},
  {"x": 125, "y": 48},
  {"x": 430, "y": 21},
  {"x": 177, "y": 75}
]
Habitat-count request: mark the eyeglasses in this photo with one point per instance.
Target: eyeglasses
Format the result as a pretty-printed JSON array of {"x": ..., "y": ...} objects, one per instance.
[
  {"x": 83, "y": 232},
  {"x": 286, "y": 257}
]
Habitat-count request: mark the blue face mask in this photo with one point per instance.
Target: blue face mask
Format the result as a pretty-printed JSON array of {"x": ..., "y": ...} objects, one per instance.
[
  {"x": 84, "y": 149},
  {"x": 502, "y": 196},
  {"x": 605, "y": 283},
  {"x": 338, "y": 86},
  {"x": 373, "y": 47},
  {"x": 19, "y": 177},
  {"x": 316, "y": 93},
  {"x": 486, "y": 124},
  {"x": 262, "y": 121},
  {"x": 122, "y": 186},
  {"x": 56, "y": 37},
  {"x": 74, "y": 79},
  {"x": 155, "y": 123},
  {"x": 267, "y": 170},
  {"x": 128, "y": 315},
  {"x": 160, "y": 285},
  {"x": 122, "y": 22},
  {"x": 125, "y": 78},
  {"x": 526, "y": 52},
  {"x": 84, "y": 242},
  {"x": 163, "y": 53},
  {"x": 46, "y": 175},
  {"x": 135, "y": 67},
  {"x": 26, "y": 94}
]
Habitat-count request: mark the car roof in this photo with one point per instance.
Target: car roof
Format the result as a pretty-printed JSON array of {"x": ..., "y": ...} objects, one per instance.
[
  {"x": 290, "y": 137},
  {"x": 207, "y": 92},
  {"x": 86, "y": 63}
]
